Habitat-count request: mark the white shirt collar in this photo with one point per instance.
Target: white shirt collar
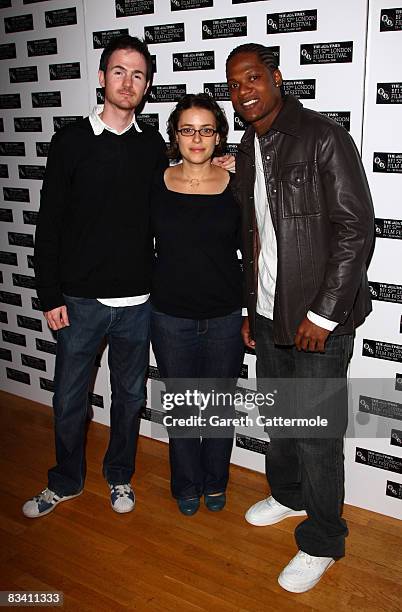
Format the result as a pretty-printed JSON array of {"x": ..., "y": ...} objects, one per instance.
[{"x": 98, "y": 125}]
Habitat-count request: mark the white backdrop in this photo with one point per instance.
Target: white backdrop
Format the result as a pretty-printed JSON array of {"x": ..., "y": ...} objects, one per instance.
[{"x": 322, "y": 49}]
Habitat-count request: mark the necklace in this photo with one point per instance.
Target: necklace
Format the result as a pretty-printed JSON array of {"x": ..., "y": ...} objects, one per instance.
[{"x": 194, "y": 182}]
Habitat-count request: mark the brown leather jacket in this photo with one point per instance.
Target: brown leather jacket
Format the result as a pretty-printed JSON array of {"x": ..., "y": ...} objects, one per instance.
[{"x": 323, "y": 219}]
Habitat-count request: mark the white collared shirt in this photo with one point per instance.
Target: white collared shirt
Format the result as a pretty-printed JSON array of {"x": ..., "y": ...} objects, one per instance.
[
  {"x": 268, "y": 258},
  {"x": 98, "y": 126}
]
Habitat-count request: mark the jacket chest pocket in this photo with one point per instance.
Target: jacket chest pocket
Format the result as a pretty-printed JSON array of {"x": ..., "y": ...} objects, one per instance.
[{"x": 298, "y": 190}]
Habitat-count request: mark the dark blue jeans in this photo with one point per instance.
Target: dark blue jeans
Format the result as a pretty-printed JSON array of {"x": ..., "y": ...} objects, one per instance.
[
  {"x": 308, "y": 473},
  {"x": 127, "y": 331},
  {"x": 209, "y": 349}
]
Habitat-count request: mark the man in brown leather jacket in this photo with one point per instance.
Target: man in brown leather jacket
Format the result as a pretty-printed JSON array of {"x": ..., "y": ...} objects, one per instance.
[{"x": 307, "y": 234}]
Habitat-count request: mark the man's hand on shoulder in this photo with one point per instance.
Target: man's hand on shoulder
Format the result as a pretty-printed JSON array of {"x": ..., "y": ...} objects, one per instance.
[
  {"x": 311, "y": 337},
  {"x": 57, "y": 318},
  {"x": 227, "y": 162}
]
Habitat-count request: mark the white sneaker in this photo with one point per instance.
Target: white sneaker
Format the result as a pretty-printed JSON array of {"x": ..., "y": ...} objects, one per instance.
[
  {"x": 122, "y": 498},
  {"x": 303, "y": 572},
  {"x": 269, "y": 511},
  {"x": 43, "y": 503}
]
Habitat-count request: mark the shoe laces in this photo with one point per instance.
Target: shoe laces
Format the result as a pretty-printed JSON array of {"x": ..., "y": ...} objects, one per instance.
[
  {"x": 123, "y": 490},
  {"x": 304, "y": 559},
  {"x": 46, "y": 495},
  {"x": 271, "y": 502}
]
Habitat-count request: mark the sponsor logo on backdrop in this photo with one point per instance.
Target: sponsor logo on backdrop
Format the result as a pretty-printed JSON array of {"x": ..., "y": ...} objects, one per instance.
[
  {"x": 102, "y": 38},
  {"x": 8, "y": 258},
  {"x": 46, "y": 384},
  {"x": 276, "y": 52},
  {"x": 185, "y": 5},
  {"x": 166, "y": 93},
  {"x": 46, "y": 99},
  {"x": 194, "y": 60},
  {"x": 244, "y": 371},
  {"x": 10, "y": 101},
  {"x": 61, "y": 17},
  {"x": 150, "y": 119},
  {"x": 18, "y": 376},
  {"x": 380, "y": 407},
  {"x": 100, "y": 95},
  {"x": 35, "y": 303},
  {"x": 127, "y": 8},
  {"x": 252, "y": 444},
  {"x": 382, "y": 350},
  {"x": 3, "y": 171},
  {"x": 16, "y": 194},
  {"x": 45, "y": 346},
  {"x": 23, "y": 280},
  {"x": 153, "y": 373},
  {"x": 387, "y": 162},
  {"x": 5, "y": 4},
  {"x": 24, "y": 74},
  {"x": 3, "y": 316},
  {"x": 218, "y": 91},
  {"x": 45, "y": 46},
  {"x": 396, "y": 438},
  {"x": 389, "y": 93},
  {"x": 148, "y": 414},
  {"x": 6, "y": 215},
  {"x": 303, "y": 89},
  {"x": 166, "y": 33},
  {"x": 388, "y": 228},
  {"x": 69, "y": 70},
  {"x": 239, "y": 125},
  {"x": 5, "y": 354},
  {"x": 391, "y": 20},
  {"x": 12, "y": 148},
  {"x": 35, "y": 173},
  {"x": 394, "y": 489},
  {"x": 341, "y": 117},
  {"x": 378, "y": 460},
  {"x": 33, "y": 362},
  {"x": 7, "y": 297},
  {"x": 95, "y": 400},
  {"x": 18, "y": 23},
  {"x": 327, "y": 53},
  {"x": 22, "y": 240},
  {"x": 14, "y": 338},
  {"x": 232, "y": 148},
  {"x": 27, "y": 124},
  {"x": 294, "y": 21},
  {"x": 42, "y": 149},
  {"x": 60, "y": 122},
  {"x": 384, "y": 292},
  {"x": 398, "y": 382},
  {"x": 8, "y": 51},
  {"x": 1, "y": 124},
  {"x": 33, "y": 1},
  {"x": 30, "y": 217},
  {"x": 224, "y": 28}
]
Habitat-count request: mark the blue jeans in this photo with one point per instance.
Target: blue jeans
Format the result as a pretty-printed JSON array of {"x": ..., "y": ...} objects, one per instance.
[
  {"x": 307, "y": 473},
  {"x": 209, "y": 349},
  {"x": 127, "y": 331}
]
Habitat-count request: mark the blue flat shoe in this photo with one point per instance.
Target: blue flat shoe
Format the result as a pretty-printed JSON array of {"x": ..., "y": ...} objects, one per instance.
[
  {"x": 189, "y": 506},
  {"x": 215, "y": 503}
]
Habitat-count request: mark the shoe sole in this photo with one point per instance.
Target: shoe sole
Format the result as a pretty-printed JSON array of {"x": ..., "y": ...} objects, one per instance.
[
  {"x": 122, "y": 511},
  {"x": 277, "y": 519},
  {"x": 302, "y": 589},
  {"x": 63, "y": 499}
]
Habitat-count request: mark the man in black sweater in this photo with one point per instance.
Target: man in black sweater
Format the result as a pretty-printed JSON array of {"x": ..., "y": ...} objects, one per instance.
[{"x": 92, "y": 265}]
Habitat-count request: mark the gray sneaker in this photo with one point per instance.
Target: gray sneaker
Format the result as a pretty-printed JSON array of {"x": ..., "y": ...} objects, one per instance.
[{"x": 44, "y": 503}]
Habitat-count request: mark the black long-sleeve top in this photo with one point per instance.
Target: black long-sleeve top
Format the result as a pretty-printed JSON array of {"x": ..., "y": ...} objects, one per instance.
[{"x": 93, "y": 234}]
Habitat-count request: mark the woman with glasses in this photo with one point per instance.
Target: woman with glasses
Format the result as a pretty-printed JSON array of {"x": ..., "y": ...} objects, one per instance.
[{"x": 196, "y": 298}]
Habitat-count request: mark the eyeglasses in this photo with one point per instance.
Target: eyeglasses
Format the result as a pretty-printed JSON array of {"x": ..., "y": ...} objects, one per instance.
[{"x": 204, "y": 131}]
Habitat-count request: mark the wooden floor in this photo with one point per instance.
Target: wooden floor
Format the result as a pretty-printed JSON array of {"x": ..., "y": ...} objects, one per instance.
[{"x": 156, "y": 559}]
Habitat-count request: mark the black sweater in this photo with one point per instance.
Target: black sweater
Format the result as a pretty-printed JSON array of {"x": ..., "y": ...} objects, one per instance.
[
  {"x": 197, "y": 273},
  {"x": 93, "y": 236}
]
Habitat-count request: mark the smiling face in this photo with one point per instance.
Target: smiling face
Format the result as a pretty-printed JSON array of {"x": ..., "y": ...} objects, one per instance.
[
  {"x": 125, "y": 79},
  {"x": 197, "y": 149},
  {"x": 254, "y": 90}
]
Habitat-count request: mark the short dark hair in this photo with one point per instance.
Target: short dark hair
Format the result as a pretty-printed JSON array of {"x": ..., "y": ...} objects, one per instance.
[
  {"x": 264, "y": 53},
  {"x": 199, "y": 100},
  {"x": 126, "y": 42}
]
